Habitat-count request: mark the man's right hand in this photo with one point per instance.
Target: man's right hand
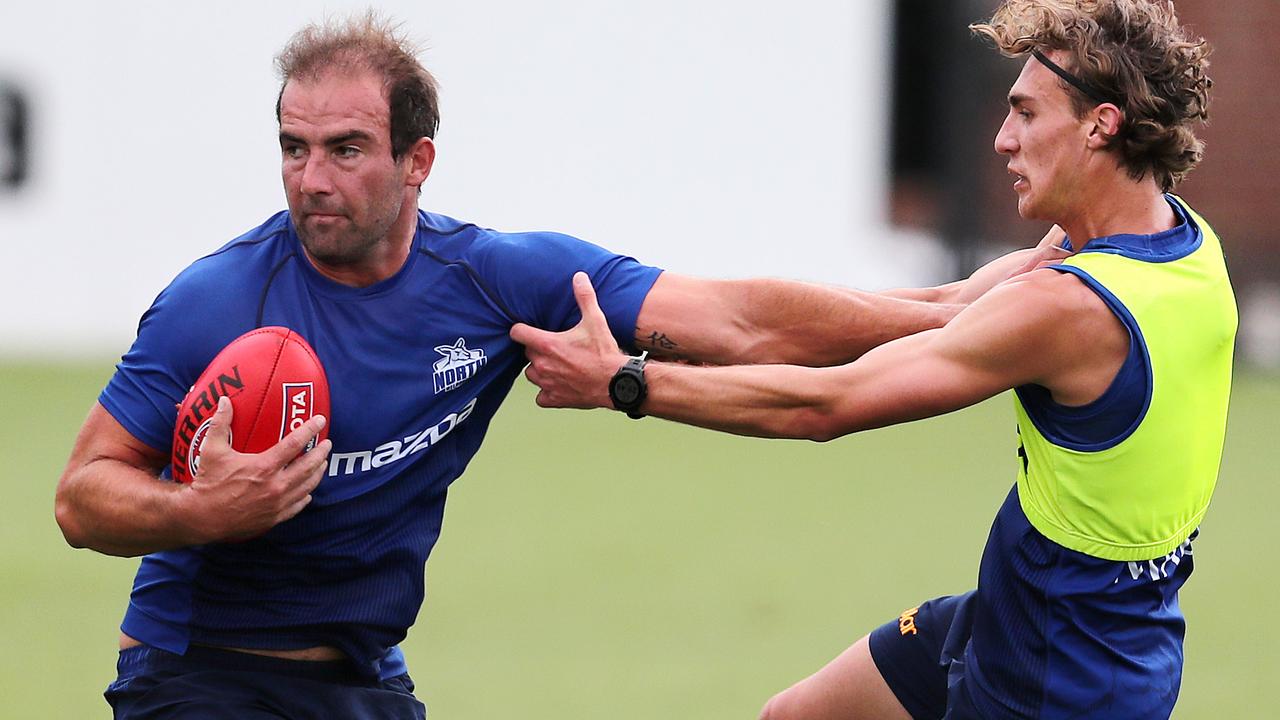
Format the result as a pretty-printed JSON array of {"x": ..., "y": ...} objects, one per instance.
[
  {"x": 110, "y": 498},
  {"x": 235, "y": 495}
]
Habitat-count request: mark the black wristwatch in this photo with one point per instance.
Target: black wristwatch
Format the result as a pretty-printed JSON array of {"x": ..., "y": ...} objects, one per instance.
[{"x": 627, "y": 388}]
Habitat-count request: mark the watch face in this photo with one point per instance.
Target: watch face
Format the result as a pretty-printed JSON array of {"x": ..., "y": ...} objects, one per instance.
[{"x": 626, "y": 390}]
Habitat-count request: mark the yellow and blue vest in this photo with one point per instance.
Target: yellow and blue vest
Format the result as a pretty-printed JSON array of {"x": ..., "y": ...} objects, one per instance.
[{"x": 1128, "y": 477}]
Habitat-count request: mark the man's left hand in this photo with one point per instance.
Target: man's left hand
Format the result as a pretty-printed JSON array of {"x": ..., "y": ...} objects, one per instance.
[{"x": 573, "y": 368}]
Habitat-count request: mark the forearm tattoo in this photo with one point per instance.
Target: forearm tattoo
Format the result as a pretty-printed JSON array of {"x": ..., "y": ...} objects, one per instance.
[{"x": 659, "y": 343}]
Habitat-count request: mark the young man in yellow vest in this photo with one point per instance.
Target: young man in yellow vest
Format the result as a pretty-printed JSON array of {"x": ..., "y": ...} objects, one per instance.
[{"x": 1120, "y": 358}]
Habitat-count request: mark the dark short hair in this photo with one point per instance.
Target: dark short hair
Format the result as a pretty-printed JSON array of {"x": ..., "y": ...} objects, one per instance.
[
  {"x": 371, "y": 43},
  {"x": 1132, "y": 50}
]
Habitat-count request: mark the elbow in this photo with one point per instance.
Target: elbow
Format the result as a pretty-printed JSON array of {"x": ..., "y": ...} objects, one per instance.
[
  {"x": 819, "y": 425},
  {"x": 69, "y": 513},
  {"x": 69, "y": 522},
  {"x": 824, "y": 436}
]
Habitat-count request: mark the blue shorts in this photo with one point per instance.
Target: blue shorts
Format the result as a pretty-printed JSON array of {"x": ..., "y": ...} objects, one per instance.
[
  {"x": 212, "y": 683},
  {"x": 1049, "y": 633}
]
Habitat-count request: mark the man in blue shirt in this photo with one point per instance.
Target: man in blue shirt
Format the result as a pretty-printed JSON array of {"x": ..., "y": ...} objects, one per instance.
[{"x": 303, "y": 619}]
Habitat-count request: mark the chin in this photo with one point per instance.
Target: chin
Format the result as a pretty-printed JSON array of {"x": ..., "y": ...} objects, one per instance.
[
  {"x": 334, "y": 256},
  {"x": 326, "y": 248},
  {"x": 1029, "y": 210}
]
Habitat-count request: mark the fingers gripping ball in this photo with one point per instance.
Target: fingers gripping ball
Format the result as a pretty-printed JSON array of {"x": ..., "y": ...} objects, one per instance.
[{"x": 275, "y": 382}]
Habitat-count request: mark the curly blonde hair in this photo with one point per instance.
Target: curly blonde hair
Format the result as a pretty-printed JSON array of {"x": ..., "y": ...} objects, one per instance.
[{"x": 1134, "y": 50}]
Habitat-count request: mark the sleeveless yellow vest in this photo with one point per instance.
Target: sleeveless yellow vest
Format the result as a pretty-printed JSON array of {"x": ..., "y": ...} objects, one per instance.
[{"x": 1142, "y": 497}]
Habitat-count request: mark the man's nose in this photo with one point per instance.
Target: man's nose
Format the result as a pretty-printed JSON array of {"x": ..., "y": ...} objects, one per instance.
[
  {"x": 315, "y": 176},
  {"x": 1006, "y": 143}
]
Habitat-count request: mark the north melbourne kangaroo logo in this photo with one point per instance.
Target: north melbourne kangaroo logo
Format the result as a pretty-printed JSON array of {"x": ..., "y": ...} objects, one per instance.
[{"x": 457, "y": 366}]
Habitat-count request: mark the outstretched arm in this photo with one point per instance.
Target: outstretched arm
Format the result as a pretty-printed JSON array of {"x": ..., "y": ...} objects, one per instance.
[
  {"x": 111, "y": 499},
  {"x": 1025, "y": 331},
  {"x": 927, "y": 374},
  {"x": 727, "y": 322}
]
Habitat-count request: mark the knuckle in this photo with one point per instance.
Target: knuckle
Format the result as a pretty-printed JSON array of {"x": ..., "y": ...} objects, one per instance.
[
  {"x": 317, "y": 466},
  {"x": 278, "y": 487}
]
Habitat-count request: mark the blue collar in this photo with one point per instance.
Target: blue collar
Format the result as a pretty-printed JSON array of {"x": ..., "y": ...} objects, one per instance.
[{"x": 1175, "y": 243}]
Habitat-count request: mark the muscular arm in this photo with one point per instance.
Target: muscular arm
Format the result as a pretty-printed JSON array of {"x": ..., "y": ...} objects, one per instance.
[
  {"x": 728, "y": 322},
  {"x": 1027, "y": 330},
  {"x": 111, "y": 484},
  {"x": 934, "y": 372},
  {"x": 774, "y": 321},
  {"x": 111, "y": 499}
]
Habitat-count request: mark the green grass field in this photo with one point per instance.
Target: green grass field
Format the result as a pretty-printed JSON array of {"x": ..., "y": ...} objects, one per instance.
[{"x": 596, "y": 567}]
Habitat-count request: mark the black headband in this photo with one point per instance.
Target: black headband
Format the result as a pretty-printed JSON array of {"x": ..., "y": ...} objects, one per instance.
[{"x": 1091, "y": 91}]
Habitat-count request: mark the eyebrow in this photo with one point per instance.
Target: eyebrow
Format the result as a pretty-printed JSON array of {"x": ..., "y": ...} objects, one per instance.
[
  {"x": 1016, "y": 99},
  {"x": 347, "y": 137},
  {"x": 331, "y": 141}
]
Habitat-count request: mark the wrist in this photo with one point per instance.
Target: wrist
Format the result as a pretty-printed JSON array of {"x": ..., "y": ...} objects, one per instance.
[
  {"x": 628, "y": 387},
  {"x": 191, "y": 524}
]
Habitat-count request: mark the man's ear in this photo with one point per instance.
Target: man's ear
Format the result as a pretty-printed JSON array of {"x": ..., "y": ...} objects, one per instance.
[
  {"x": 1106, "y": 125},
  {"x": 420, "y": 157}
]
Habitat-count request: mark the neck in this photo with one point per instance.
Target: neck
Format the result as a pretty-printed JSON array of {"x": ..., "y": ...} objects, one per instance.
[{"x": 1120, "y": 207}]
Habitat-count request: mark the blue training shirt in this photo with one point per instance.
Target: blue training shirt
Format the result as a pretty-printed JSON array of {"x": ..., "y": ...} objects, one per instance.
[{"x": 417, "y": 366}]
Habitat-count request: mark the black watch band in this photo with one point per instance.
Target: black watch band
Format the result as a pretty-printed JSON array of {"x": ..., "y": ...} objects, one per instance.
[{"x": 627, "y": 388}]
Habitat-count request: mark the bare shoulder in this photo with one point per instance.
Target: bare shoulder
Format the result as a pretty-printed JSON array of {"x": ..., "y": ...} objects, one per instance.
[
  {"x": 1039, "y": 297},
  {"x": 1064, "y": 300},
  {"x": 1055, "y": 291},
  {"x": 1044, "y": 327},
  {"x": 1082, "y": 340}
]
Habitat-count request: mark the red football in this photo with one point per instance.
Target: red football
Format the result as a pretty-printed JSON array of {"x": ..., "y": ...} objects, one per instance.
[{"x": 275, "y": 382}]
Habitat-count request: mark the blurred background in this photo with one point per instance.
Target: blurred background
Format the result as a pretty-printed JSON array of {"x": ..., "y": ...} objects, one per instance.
[{"x": 595, "y": 567}]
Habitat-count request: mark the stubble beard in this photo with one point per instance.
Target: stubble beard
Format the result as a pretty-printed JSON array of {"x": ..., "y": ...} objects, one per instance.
[{"x": 348, "y": 243}]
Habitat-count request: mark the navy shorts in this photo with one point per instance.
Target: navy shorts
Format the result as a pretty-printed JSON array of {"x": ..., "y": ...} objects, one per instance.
[
  {"x": 212, "y": 683},
  {"x": 917, "y": 655},
  {"x": 1049, "y": 633}
]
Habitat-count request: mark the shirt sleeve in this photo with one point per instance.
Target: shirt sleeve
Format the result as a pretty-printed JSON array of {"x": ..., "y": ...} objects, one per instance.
[
  {"x": 532, "y": 273},
  {"x": 174, "y": 344}
]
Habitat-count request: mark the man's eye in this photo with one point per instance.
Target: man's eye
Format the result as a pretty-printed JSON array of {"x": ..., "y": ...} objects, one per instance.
[
  {"x": 293, "y": 151},
  {"x": 347, "y": 151}
]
